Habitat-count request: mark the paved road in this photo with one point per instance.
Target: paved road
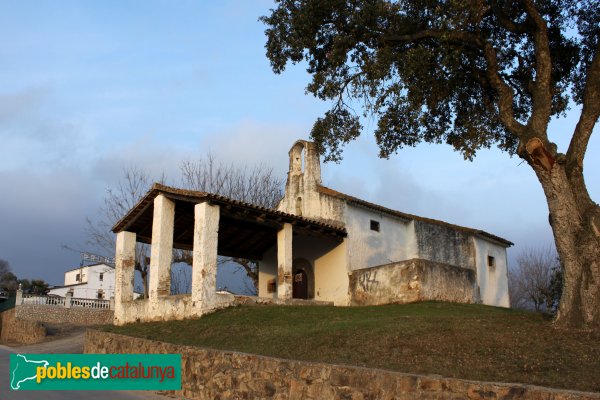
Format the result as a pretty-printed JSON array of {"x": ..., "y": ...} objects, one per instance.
[{"x": 71, "y": 344}]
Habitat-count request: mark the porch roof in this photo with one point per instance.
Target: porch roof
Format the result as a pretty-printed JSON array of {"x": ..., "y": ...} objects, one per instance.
[{"x": 245, "y": 230}]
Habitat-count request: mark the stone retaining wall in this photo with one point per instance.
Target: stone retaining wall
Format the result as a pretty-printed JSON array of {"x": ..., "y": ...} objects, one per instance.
[
  {"x": 213, "y": 374},
  {"x": 61, "y": 315},
  {"x": 412, "y": 280},
  {"x": 15, "y": 330}
]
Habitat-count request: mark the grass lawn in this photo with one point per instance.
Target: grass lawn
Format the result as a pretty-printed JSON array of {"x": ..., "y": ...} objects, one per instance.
[{"x": 454, "y": 340}]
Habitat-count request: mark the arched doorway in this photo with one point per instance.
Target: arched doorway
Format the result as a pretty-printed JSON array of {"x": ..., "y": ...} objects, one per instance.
[{"x": 303, "y": 281}]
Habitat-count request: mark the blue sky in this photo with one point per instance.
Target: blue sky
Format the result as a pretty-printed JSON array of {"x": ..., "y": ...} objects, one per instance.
[{"x": 90, "y": 87}]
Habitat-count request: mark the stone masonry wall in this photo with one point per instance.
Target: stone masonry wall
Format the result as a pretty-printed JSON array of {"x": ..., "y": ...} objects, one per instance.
[
  {"x": 410, "y": 281},
  {"x": 213, "y": 374},
  {"x": 61, "y": 315},
  {"x": 445, "y": 244},
  {"x": 15, "y": 330}
]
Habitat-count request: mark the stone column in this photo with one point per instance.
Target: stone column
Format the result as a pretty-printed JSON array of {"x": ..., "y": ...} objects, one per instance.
[
  {"x": 124, "y": 266},
  {"x": 284, "y": 262},
  {"x": 204, "y": 265},
  {"x": 161, "y": 254},
  {"x": 19, "y": 298},
  {"x": 68, "y": 298}
]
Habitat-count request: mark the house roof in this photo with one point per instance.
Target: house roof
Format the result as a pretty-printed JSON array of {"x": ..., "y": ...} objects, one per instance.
[
  {"x": 408, "y": 217},
  {"x": 68, "y": 286},
  {"x": 245, "y": 230}
]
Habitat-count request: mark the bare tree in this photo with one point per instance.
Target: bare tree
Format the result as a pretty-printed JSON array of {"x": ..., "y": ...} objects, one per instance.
[
  {"x": 117, "y": 202},
  {"x": 530, "y": 282},
  {"x": 181, "y": 280},
  {"x": 257, "y": 185}
]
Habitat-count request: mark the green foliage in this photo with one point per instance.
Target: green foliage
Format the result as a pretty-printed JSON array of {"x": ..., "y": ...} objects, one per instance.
[
  {"x": 424, "y": 68},
  {"x": 25, "y": 285},
  {"x": 38, "y": 286},
  {"x": 8, "y": 282}
]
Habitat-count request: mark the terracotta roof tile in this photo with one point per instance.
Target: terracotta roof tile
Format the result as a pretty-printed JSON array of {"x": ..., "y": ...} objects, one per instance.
[
  {"x": 363, "y": 203},
  {"x": 192, "y": 195}
]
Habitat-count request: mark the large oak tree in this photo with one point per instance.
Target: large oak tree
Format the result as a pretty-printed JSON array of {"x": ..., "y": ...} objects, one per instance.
[{"x": 471, "y": 74}]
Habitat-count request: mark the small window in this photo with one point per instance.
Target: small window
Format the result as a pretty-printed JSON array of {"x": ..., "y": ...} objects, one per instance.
[
  {"x": 101, "y": 277},
  {"x": 77, "y": 277},
  {"x": 271, "y": 286},
  {"x": 375, "y": 225},
  {"x": 491, "y": 261},
  {"x": 100, "y": 294}
]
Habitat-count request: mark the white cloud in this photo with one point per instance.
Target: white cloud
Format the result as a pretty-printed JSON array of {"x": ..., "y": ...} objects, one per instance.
[
  {"x": 21, "y": 104},
  {"x": 250, "y": 142}
]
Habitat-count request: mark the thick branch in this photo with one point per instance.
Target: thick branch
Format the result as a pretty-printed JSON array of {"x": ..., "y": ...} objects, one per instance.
[
  {"x": 589, "y": 115},
  {"x": 505, "y": 93},
  {"x": 542, "y": 93},
  {"x": 505, "y": 21},
  {"x": 445, "y": 36}
]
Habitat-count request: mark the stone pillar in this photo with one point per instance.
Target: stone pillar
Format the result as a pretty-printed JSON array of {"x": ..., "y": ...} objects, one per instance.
[
  {"x": 284, "y": 262},
  {"x": 204, "y": 265},
  {"x": 68, "y": 298},
  {"x": 161, "y": 254},
  {"x": 19, "y": 297},
  {"x": 124, "y": 266}
]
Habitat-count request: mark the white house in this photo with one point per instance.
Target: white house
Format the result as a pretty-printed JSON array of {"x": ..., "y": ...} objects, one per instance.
[
  {"x": 96, "y": 281},
  {"x": 319, "y": 244}
]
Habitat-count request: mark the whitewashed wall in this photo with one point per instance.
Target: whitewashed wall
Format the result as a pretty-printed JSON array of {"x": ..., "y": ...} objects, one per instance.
[
  {"x": 492, "y": 281},
  {"x": 328, "y": 259},
  {"x": 91, "y": 282},
  {"x": 267, "y": 270},
  {"x": 394, "y": 242},
  {"x": 71, "y": 276}
]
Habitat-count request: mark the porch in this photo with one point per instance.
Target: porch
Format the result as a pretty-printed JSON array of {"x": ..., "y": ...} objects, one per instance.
[{"x": 208, "y": 225}]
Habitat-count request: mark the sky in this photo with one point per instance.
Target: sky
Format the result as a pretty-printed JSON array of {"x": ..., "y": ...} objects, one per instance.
[{"x": 89, "y": 88}]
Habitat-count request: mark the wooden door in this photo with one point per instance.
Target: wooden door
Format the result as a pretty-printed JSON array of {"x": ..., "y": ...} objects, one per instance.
[{"x": 300, "y": 285}]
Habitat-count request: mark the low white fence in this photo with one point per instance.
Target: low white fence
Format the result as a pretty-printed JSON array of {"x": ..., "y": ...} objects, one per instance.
[
  {"x": 91, "y": 303},
  {"x": 43, "y": 300},
  {"x": 66, "y": 302}
]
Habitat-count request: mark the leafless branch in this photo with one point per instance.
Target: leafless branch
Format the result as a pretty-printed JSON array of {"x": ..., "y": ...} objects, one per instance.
[{"x": 529, "y": 283}]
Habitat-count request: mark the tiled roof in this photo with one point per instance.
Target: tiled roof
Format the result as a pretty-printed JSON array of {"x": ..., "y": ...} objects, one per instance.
[
  {"x": 366, "y": 204},
  {"x": 196, "y": 196}
]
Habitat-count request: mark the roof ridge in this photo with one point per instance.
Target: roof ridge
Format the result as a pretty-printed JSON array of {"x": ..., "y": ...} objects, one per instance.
[
  {"x": 161, "y": 188},
  {"x": 332, "y": 192}
]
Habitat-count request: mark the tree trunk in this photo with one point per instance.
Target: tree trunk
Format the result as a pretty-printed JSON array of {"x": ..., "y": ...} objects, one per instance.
[
  {"x": 575, "y": 221},
  {"x": 145, "y": 283}
]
